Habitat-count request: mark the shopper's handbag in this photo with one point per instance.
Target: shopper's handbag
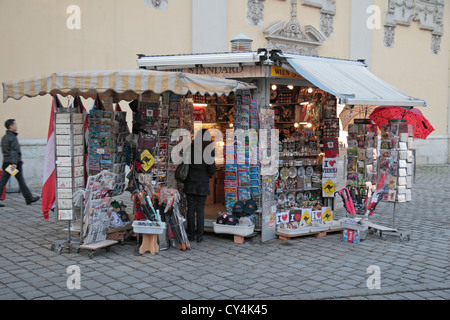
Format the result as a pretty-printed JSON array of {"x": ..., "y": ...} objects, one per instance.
[{"x": 182, "y": 172}]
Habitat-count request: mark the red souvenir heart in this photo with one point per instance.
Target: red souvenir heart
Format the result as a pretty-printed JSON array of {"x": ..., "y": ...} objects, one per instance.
[
  {"x": 284, "y": 217},
  {"x": 297, "y": 217},
  {"x": 332, "y": 163},
  {"x": 319, "y": 214}
]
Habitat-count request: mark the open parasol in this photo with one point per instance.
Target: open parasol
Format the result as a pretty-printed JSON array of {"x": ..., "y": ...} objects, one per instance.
[{"x": 422, "y": 127}]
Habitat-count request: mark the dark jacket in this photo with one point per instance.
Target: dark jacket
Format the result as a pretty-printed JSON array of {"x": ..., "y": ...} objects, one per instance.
[
  {"x": 197, "y": 181},
  {"x": 11, "y": 148}
]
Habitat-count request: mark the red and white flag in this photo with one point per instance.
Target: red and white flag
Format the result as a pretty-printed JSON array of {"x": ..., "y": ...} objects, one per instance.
[{"x": 49, "y": 189}]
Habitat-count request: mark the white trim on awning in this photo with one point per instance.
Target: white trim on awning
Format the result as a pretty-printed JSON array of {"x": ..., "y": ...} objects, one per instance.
[
  {"x": 120, "y": 84},
  {"x": 350, "y": 81}
]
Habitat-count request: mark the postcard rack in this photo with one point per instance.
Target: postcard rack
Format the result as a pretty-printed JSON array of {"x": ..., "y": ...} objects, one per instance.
[{"x": 69, "y": 173}]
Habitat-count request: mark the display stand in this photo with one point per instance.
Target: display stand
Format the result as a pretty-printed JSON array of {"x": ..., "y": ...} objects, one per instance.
[
  {"x": 308, "y": 151},
  {"x": 394, "y": 169},
  {"x": 69, "y": 173},
  {"x": 149, "y": 243},
  {"x": 397, "y": 146},
  {"x": 383, "y": 231}
]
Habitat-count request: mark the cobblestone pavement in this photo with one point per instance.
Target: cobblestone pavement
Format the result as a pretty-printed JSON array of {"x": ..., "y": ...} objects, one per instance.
[{"x": 304, "y": 268}]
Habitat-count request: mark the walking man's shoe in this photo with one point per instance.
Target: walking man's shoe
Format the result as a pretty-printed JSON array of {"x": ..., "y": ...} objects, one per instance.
[
  {"x": 1, "y": 205},
  {"x": 34, "y": 199}
]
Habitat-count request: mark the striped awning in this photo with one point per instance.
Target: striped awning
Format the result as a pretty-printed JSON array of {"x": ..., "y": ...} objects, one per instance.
[{"x": 120, "y": 85}]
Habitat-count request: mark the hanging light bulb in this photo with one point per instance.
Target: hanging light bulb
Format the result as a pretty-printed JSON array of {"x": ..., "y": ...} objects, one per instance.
[
  {"x": 291, "y": 87},
  {"x": 274, "y": 87},
  {"x": 310, "y": 90}
]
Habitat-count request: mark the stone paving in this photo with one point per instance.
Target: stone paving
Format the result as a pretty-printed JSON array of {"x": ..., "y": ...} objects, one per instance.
[{"x": 306, "y": 268}]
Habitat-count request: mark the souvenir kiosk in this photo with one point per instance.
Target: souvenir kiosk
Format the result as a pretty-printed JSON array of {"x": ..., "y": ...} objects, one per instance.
[
  {"x": 90, "y": 150},
  {"x": 297, "y": 95}
]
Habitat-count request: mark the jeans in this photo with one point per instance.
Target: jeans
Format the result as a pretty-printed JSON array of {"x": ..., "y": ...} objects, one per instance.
[
  {"x": 195, "y": 203},
  {"x": 19, "y": 176}
]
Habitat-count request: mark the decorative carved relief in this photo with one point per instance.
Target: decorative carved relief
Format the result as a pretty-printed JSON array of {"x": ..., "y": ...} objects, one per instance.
[
  {"x": 157, "y": 4},
  {"x": 389, "y": 35},
  {"x": 289, "y": 36},
  {"x": 429, "y": 14},
  {"x": 255, "y": 12},
  {"x": 327, "y": 13}
]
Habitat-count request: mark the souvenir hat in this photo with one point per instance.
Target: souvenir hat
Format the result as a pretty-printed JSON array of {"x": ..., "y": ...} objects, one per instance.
[
  {"x": 232, "y": 220},
  {"x": 222, "y": 220},
  {"x": 250, "y": 206},
  {"x": 115, "y": 204},
  {"x": 238, "y": 207}
]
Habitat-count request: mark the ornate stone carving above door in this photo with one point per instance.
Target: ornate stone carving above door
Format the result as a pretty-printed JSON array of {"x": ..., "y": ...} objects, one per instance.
[
  {"x": 290, "y": 37},
  {"x": 327, "y": 13},
  {"x": 428, "y": 13}
]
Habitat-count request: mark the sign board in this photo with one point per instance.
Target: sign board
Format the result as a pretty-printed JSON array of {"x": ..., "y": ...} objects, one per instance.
[
  {"x": 227, "y": 72},
  {"x": 147, "y": 160},
  {"x": 328, "y": 187},
  {"x": 327, "y": 214},
  {"x": 280, "y": 72},
  {"x": 330, "y": 167}
]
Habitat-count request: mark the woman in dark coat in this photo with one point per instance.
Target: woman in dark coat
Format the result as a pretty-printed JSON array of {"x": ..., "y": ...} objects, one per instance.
[{"x": 196, "y": 186}]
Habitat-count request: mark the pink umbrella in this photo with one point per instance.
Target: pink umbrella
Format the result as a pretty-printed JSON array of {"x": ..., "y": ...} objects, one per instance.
[{"x": 422, "y": 127}]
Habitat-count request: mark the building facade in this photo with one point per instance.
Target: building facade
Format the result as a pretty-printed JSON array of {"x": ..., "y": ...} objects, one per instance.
[{"x": 406, "y": 43}]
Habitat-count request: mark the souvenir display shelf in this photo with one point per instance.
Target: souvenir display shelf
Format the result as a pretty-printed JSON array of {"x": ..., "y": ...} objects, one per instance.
[
  {"x": 69, "y": 173},
  {"x": 69, "y": 160},
  {"x": 242, "y": 157},
  {"x": 394, "y": 164},
  {"x": 362, "y": 162},
  {"x": 397, "y": 160},
  {"x": 107, "y": 132},
  {"x": 308, "y": 126}
]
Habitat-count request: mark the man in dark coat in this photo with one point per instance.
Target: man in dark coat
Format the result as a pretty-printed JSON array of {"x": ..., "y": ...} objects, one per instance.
[
  {"x": 12, "y": 156},
  {"x": 196, "y": 186}
]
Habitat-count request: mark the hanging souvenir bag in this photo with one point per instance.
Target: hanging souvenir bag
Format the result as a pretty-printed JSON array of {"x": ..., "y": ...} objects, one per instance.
[{"x": 147, "y": 139}]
